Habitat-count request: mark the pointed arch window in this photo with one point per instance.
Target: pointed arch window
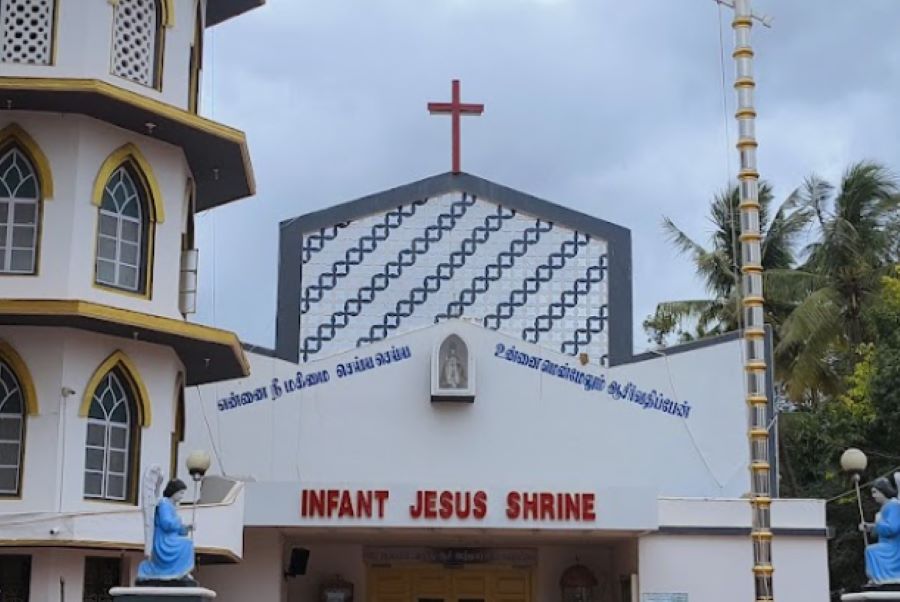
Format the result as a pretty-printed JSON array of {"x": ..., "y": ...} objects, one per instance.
[
  {"x": 123, "y": 232},
  {"x": 138, "y": 27},
  {"x": 20, "y": 196},
  {"x": 111, "y": 443},
  {"x": 12, "y": 430}
]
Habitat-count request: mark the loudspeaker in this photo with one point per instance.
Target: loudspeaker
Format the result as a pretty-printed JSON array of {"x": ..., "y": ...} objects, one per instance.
[{"x": 299, "y": 560}]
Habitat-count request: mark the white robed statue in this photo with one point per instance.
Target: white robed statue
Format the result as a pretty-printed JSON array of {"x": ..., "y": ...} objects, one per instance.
[{"x": 168, "y": 552}]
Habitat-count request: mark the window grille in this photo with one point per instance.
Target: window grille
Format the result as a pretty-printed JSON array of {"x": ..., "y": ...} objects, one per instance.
[
  {"x": 136, "y": 38},
  {"x": 26, "y": 31}
]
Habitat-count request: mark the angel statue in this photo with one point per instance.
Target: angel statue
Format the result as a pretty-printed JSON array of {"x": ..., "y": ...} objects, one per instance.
[
  {"x": 168, "y": 552},
  {"x": 883, "y": 558}
]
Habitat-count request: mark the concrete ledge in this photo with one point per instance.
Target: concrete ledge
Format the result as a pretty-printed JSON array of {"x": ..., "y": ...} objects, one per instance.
[
  {"x": 162, "y": 594},
  {"x": 871, "y": 596}
]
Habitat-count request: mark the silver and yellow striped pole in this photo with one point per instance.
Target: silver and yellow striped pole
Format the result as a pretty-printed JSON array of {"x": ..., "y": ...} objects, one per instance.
[{"x": 752, "y": 300}]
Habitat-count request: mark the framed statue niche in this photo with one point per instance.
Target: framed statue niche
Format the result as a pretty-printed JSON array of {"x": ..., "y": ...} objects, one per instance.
[{"x": 452, "y": 371}]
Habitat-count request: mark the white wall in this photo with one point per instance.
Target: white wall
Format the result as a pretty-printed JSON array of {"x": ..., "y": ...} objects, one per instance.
[
  {"x": 712, "y": 568},
  {"x": 54, "y": 448},
  {"x": 258, "y": 578},
  {"x": 81, "y": 20},
  {"x": 525, "y": 429},
  {"x": 709, "y": 568},
  {"x": 76, "y": 147},
  {"x": 801, "y": 568}
]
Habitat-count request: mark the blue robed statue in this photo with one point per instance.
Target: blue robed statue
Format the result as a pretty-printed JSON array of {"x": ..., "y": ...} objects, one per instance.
[
  {"x": 883, "y": 558},
  {"x": 169, "y": 553}
]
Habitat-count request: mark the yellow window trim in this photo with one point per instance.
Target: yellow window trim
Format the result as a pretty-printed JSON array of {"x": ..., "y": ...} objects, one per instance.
[
  {"x": 18, "y": 136},
  {"x": 122, "y": 155},
  {"x": 168, "y": 11},
  {"x": 124, "y": 363},
  {"x": 14, "y": 360}
]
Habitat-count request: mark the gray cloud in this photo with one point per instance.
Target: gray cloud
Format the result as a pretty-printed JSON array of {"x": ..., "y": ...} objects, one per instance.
[{"x": 611, "y": 108}]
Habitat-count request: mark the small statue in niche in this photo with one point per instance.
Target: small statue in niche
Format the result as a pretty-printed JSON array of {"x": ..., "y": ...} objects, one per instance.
[
  {"x": 169, "y": 553},
  {"x": 883, "y": 558},
  {"x": 453, "y": 369}
]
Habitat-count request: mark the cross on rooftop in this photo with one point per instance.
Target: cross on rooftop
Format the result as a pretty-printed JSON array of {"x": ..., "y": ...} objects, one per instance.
[{"x": 455, "y": 109}]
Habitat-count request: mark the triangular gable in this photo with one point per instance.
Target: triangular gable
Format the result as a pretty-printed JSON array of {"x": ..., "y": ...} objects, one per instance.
[{"x": 454, "y": 246}]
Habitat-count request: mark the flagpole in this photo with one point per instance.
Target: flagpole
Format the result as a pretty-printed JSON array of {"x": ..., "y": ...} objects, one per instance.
[{"x": 757, "y": 385}]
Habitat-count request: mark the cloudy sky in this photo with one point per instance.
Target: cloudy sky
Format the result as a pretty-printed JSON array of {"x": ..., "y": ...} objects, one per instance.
[{"x": 611, "y": 108}]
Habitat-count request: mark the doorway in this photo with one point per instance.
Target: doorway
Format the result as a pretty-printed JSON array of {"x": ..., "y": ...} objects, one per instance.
[{"x": 439, "y": 584}]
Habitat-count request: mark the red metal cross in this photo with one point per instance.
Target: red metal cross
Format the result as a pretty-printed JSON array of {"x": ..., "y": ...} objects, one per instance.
[{"x": 455, "y": 109}]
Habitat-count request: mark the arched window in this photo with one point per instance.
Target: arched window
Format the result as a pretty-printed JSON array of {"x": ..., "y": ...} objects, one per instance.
[
  {"x": 123, "y": 232},
  {"x": 138, "y": 40},
  {"x": 27, "y": 31},
  {"x": 111, "y": 444},
  {"x": 20, "y": 195},
  {"x": 12, "y": 430}
]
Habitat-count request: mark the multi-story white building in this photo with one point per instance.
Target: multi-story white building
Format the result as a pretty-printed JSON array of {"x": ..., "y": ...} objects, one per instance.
[{"x": 103, "y": 164}]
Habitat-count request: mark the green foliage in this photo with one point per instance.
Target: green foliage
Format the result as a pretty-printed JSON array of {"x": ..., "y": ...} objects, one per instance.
[
  {"x": 719, "y": 266},
  {"x": 864, "y": 415},
  {"x": 835, "y": 312}
]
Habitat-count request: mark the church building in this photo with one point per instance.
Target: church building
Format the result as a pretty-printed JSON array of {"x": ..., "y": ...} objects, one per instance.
[{"x": 453, "y": 412}]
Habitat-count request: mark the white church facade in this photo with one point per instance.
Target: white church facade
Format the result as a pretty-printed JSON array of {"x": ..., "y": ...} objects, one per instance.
[{"x": 452, "y": 410}]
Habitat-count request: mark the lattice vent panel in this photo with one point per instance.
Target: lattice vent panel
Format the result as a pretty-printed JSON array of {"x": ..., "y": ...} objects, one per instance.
[
  {"x": 26, "y": 31},
  {"x": 134, "y": 40}
]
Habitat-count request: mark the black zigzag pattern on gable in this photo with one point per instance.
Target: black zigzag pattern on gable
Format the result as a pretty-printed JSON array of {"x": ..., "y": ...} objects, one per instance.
[
  {"x": 315, "y": 242},
  {"x": 353, "y": 256},
  {"x": 542, "y": 274},
  {"x": 494, "y": 271},
  {"x": 584, "y": 335},
  {"x": 392, "y": 270},
  {"x": 442, "y": 273},
  {"x": 567, "y": 300}
]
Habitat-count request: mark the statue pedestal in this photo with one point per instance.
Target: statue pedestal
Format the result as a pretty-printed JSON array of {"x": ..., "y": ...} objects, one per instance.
[
  {"x": 162, "y": 594},
  {"x": 871, "y": 595}
]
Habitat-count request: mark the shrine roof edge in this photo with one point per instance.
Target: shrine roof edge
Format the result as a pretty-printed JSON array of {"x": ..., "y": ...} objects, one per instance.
[{"x": 462, "y": 182}]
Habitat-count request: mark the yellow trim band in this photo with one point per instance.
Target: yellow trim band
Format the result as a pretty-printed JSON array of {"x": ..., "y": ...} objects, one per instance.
[
  {"x": 20, "y": 369},
  {"x": 120, "y": 156},
  {"x": 38, "y": 158},
  {"x": 70, "y": 84},
  {"x": 168, "y": 13},
  {"x": 124, "y": 363},
  {"x": 96, "y": 86},
  {"x": 87, "y": 309}
]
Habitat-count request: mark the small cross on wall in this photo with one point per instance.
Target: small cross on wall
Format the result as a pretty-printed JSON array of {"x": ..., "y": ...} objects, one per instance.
[{"x": 455, "y": 108}]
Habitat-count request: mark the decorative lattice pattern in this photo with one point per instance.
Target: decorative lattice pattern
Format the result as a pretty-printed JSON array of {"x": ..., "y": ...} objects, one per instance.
[
  {"x": 135, "y": 33},
  {"x": 453, "y": 256},
  {"x": 26, "y": 31}
]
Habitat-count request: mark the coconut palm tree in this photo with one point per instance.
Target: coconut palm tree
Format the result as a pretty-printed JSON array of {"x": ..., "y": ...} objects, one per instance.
[
  {"x": 719, "y": 266},
  {"x": 855, "y": 247}
]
